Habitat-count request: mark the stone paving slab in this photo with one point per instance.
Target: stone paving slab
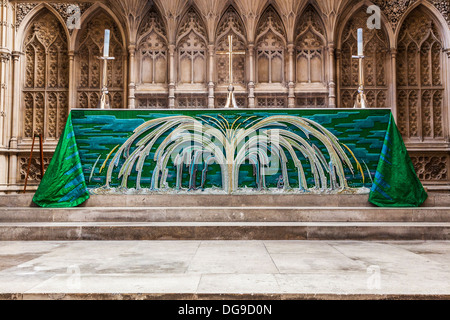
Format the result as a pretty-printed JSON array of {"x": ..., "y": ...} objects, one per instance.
[{"x": 225, "y": 270}]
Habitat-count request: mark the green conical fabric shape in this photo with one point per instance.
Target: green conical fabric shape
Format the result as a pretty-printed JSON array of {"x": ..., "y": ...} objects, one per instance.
[
  {"x": 63, "y": 184},
  {"x": 396, "y": 183}
]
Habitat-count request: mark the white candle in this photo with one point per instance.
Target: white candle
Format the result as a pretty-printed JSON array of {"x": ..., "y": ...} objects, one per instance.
[
  {"x": 360, "y": 43},
  {"x": 106, "y": 46}
]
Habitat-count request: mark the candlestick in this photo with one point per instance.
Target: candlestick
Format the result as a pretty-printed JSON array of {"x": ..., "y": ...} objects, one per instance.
[
  {"x": 106, "y": 46},
  {"x": 104, "y": 99},
  {"x": 360, "y": 43},
  {"x": 361, "y": 100}
]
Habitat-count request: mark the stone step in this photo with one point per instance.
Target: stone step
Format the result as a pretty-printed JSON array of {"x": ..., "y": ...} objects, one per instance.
[
  {"x": 214, "y": 200},
  {"x": 224, "y": 231},
  {"x": 224, "y": 214},
  {"x": 222, "y": 296}
]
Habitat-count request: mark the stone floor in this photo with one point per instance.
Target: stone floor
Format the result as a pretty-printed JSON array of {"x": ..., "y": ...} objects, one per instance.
[{"x": 198, "y": 269}]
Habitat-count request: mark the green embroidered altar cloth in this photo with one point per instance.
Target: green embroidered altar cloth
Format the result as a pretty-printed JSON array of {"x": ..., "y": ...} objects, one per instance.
[{"x": 243, "y": 151}]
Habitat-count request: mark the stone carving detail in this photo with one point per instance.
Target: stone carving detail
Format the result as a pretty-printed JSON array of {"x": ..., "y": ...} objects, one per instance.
[
  {"x": 310, "y": 43},
  {"x": 270, "y": 44},
  {"x": 152, "y": 50},
  {"x": 311, "y": 101},
  {"x": 394, "y": 10},
  {"x": 271, "y": 101},
  {"x": 46, "y": 78},
  {"x": 444, "y": 7},
  {"x": 61, "y": 8},
  {"x": 419, "y": 84},
  {"x": 90, "y": 68},
  {"x": 431, "y": 167},
  {"x": 375, "y": 64},
  {"x": 192, "y": 102},
  {"x": 154, "y": 102},
  {"x": 34, "y": 175},
  {"x": 22, "y": 9},
  {"x": 241, "y": 100},
  {"x": 230, "y": 24},
  {"x": 192, "y": 40}
]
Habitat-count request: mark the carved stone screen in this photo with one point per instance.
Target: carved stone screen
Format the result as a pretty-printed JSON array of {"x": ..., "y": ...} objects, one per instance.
[
  {"x": 46, "y": 86},
  {"x": 419, "y": 83},
  {"x": 375, "y": 63},
  {"x": 90, "y": 67},
  {"x": 152, "y": 51},
  {"x": 310, "y": 43},
  {"x": 230, "y": 24}
]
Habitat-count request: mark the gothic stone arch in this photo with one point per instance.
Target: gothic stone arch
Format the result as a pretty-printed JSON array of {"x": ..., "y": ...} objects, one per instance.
[{"x": 89, "y": 67}]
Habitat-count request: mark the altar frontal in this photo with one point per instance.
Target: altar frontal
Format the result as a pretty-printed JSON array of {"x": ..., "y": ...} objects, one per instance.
[{"x": 232, "y": 151}]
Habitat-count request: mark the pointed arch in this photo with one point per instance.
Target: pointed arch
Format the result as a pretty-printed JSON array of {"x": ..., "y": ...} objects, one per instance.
[
  {"x": 89, "y": 14},
  {"x": 45, "y": 88},
  {"x": 151, "y": 49},
  {"x": 420, "y": 77},
  {"x": 270, "y": 48},
  {"x": 90, "y": 41},
  {"x": 376, "y": 62},
  {"x": 230, "y": 24},
  {"x": 310, "y": 42},
  {"x": 192, "y": 40},
  {"x": 270, "y": 21},
  {"x": 30, "y": 17},
  {"x": 433, "y": 14}
]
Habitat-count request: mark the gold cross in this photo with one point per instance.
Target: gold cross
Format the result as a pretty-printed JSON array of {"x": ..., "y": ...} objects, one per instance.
[
  {"x": 230, "y": 54},
  {"x": 231, "y": 101}
]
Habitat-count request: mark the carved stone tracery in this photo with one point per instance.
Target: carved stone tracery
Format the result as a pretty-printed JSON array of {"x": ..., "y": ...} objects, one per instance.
[
  {"x": 45, "y": 92},
  {"x": 192, "y": 44},
  {"x": 91, "y": 44},
  {"x": 152, "y": 50},
  {"x": 230, "y": 24},
  {"x": 419, "y": 84},
  {"x": 375, "y": 63},
  {"x": 270, "y": 48},
  {"x": 421, "y": 93},
  {"x": 310, "y": 43}
]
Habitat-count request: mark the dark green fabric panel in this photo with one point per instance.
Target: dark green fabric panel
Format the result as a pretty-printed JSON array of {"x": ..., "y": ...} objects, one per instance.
[
  {"x": 63, "y": 184},
  {"x": 396, "y": 183}
]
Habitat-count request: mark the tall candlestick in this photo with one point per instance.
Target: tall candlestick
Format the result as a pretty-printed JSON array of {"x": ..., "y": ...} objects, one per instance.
[
  {"x": 361, "y": 100},
  {"x": 106, "y": 46},
  {"x": 104, "y": 100},
  {"x": 360, "y": 43}
]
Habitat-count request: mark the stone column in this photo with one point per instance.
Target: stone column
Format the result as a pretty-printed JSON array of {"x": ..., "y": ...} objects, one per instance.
[
  {"x": 4, "y": 115},
  {"x": 251, "y": 75},
  {"x": 446, "y": 80},
  {"x": 15, "y": 102},
  {"x": 291, "y": 76},
  {"x": 394, "y": 82},
  {"x": 132, "y": 75},
  {"x": 72, "y": 77},
  {"x": 171, "y": 76},
  {"x": 332, "y": 81},
  {"x": 5, "y": 94},
  {"x": 338, "y": 75},
  {"x": 4, "y": 70},
  {"x": 211, "y": 52},
  {"x": 5, "y": 55}
]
